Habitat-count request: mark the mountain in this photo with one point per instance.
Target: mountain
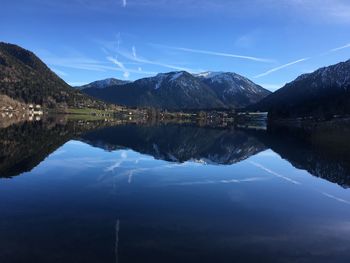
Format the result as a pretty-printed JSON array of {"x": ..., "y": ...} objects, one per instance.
[
  {"x": 25, "y": 78},
  {"x": 233, "y": 89},
  {"x": 321, "y": 94},
  {"x": 182, "y": 90},
  {"x": 174, "y": 90},
  {"x": 101, "y": 84}
]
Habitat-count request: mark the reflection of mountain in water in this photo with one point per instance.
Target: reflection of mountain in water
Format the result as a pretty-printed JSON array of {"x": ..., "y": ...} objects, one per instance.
[
  {"x": 323, "y": 153},
  {"x": 24, "y": 145},
  {"x": 179, "y": 143}
]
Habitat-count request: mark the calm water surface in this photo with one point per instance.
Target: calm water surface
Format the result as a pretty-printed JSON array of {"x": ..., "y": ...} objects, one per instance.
[{"x": 169, "y": 193}]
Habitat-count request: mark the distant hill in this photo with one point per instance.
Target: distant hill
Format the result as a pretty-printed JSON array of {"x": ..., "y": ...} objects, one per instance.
[
  {"x": 232, "y": 89},
  {"x": 321, "y": 94},
  {"x": 102, "y": 84},
  {"x": 25, "y": 78},
  {"x": 182, "y": 90}
]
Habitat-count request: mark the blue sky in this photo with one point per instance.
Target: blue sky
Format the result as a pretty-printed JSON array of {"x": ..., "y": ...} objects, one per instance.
[{"x": 269, "y": 41}]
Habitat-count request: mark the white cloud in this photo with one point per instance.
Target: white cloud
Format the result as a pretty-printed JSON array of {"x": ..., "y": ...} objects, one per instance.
[
  {"x": 327, "y": 10},
  {"x": 153, "y": 62},
  {"x": 124, "y": 3},
  {"x": 214, "y": 53},
  {"x": 116, "y": 61},
  {"x": 340, "y": 48},
  {"x": 281, "y": 67},
  {"x": 126, "y": 73},
  {"x": 134, "y": 51},
  {"x": 83, "y": 63}
]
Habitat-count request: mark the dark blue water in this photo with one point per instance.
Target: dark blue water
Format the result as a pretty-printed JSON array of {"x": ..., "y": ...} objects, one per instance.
[{"x": 171, "y": 194}]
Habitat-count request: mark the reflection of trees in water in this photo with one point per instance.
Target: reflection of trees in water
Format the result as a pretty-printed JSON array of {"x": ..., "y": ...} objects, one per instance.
[
  {"x": 324, "y": 154},
  {"x": 179, "y": 143},
  {"x": 24, "y": 145}
]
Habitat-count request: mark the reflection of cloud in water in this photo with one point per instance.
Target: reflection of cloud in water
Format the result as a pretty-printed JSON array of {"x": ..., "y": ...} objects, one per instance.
[
  {"x": 267, "y": 153},
  {"x": 75, "y": 143},
  {"x": 116, "y": 245},
  {"x": 79, "y": 162},
  {"x": 58, "y": 152},
  {"x": 298, "y": 183},
  {"x": 252, "y": 179},
  {"x": 117, "y": 163},
  {"x": 111, "y": 174},
  {"x": 124, "y": 155},
  {"x": 336, "y": 198},
  {"x": 114, "y": 166},
  {"x": 274, "y": 173}
]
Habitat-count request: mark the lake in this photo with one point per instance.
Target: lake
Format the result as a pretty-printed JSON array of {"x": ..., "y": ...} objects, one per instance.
[{"x": 80, "y": 191}]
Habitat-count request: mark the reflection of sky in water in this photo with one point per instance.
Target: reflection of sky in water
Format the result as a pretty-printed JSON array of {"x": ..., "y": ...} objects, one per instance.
[{"x": 262, "y": 205}]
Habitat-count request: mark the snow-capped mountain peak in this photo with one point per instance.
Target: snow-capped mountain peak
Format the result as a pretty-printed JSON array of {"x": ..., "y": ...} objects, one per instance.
[
  {"x": 102, "y": 84},
  {"x": 209, "y": 74},
  {"x": 181, "y": 90}
]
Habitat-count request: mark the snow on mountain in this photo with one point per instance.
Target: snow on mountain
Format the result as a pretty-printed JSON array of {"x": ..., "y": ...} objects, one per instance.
[
  {"x": 321, "y": 94},
  {"x": 182, "y": 90},
  {"x": 233, "y": 89},
  {"x": 101, "y": 84}
]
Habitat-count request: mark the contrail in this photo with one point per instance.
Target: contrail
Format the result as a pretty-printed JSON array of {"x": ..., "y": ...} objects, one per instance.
[
  {"x": 280, "y": 67},
  {"x": 117, "y": 227},
  {"x": 340, "y": 48},
  {"x": 230, "y": 181},
  {"x": 214, "y": 53},
  {"x": 274, "y": 173},
  {"x": 336, "y": 198}
]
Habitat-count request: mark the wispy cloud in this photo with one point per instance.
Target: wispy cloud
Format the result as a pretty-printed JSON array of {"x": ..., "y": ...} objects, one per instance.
[
  {"x": 133, "y": 57},
  {"x": 340, "y": 48},
  {"x": 89, "y": 64},
  {"x": 115, "y": 61},
  {"x": 214, "y": 53},
  {"x": 134, "y": 51},
  {"x": 281, "y": 67},
  {"x": 331, "y": 11},
  {"x": 124, "y": 3}
]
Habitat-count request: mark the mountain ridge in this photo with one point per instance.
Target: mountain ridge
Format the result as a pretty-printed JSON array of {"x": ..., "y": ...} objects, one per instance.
[
  {"x": 104, "y": 83},
  {"x": 25, "y": 78},
  {"x": 322, "y": 94},
  {"x": 182, "y": 90}
]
